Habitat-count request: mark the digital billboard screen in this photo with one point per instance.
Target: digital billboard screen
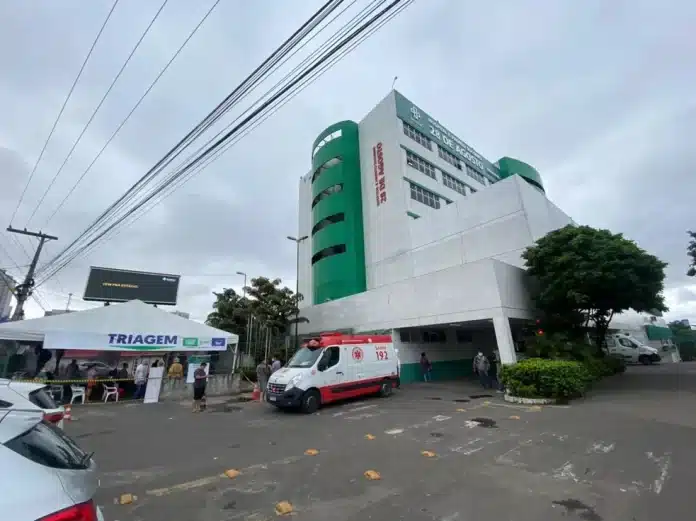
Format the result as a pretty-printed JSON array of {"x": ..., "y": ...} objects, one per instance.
[{"x": 112, "y": 285}]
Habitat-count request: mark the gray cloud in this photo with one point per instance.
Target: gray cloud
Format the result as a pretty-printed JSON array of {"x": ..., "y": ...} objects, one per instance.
[{"x": 598, "y": 96}]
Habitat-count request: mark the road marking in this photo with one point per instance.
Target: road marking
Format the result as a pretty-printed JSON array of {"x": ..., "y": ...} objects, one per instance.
[
  {"x": 394, "y": 431},
  {"x": 663, "y": 463}
]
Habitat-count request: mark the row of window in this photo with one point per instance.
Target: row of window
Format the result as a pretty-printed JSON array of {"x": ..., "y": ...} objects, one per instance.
[
  {"x": 448, "y": 156},
  {"x": 420, "y": 164},
  {"x": 323, "y": 168},
  {"x": 433, "y": 336},
  {"x": 327, "y": 192},
  {"x": 331, "y": 219},
  {"x": 428, "y": 198},
  {"x": 448, "y": 180},
  {"x": 418, "y": 136},
  {"x": 456, "y": 185},
  {"x": 334, "y": 135}
]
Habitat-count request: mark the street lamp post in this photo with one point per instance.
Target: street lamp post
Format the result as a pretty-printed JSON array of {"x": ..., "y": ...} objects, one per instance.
[
  {"x": 245, "y": 282},
  {"x": 297, "y": 241},
  {"x": 248, "y": 326}
]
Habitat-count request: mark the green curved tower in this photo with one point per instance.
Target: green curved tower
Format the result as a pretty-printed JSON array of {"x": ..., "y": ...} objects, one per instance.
[
  {"x": 508, "y": 166},
  {"x": 338, "y": 246}
]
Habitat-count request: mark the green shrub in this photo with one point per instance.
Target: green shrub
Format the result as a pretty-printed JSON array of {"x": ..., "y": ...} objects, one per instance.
[{"x": 540, "y": 378}]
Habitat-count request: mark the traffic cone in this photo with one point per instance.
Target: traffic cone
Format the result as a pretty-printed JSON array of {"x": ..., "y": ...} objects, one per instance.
[
  {"x": 256, "y": 393},
  {"x": 68, "y": 413}
]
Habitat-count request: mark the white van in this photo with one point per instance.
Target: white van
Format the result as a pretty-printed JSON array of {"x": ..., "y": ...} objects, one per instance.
[
  {"x": 631, "y": 350},
  {"x": 335, "y": 367}
]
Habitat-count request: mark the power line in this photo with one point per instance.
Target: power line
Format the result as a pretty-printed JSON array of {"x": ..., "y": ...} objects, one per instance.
[
  {"x": 62, "y": 109},
  {"x": 212, "y": 117},
  {"x": 135, "y": 107},
  {"x": 197, "y": 165},
  {"x": 96, "y": 110}
]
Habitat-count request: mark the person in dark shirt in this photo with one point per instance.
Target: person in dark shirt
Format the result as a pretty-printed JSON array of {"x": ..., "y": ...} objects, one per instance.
[
  {"x": 426, "y": 367},
  {"x": 200, "y": 377}
]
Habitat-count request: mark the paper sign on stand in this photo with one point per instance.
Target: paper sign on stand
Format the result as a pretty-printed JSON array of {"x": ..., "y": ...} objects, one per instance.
[{"x": 154, "y": 385}]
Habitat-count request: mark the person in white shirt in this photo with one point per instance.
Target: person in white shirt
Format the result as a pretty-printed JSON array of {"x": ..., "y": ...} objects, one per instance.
[
  {"x": 140, "y": 380},
  {"x": 275, "y": 364}
]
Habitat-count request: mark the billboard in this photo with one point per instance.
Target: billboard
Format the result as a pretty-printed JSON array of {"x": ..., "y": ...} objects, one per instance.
[{"x": 112, "y": 285}]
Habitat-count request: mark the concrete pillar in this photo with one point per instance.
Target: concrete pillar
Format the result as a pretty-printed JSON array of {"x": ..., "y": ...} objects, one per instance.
[{"x": 503, "y": 337}]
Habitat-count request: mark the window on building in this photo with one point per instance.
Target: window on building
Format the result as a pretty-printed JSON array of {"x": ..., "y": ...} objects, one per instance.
[
  {"x": 449, "y": 157},
  {"x": 334, "y": 135},
  {"x": 464, "y": 337},
  {"x": 420, "y": 194},
  {"x": 328, "y": 252},
  {"x": 331, "y": 219},
  {"x": 434, "y": 336},
  {"x": 455, "y": 184},
  {"x": 420, "y": 164},
  {"x": 405, "y": 336},
  {"x": 327, "y": 192},
  {"x": 475, "y": 174},
  {"x": 331, "y": 162},
  {"x": 417, "y": 136}
]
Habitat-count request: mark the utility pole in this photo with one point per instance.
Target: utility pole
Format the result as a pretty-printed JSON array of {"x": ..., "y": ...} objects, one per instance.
[
  {"x": 25, "y": 289},
  {"x": 248, "y": 325},
  {"x": 297, "y": 241}
]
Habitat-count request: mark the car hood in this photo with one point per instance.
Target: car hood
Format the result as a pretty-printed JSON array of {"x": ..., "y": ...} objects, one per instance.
[{"x": 285, "y": 374}]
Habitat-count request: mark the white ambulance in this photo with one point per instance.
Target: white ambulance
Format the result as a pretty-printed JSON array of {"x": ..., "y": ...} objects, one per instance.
[{"x": 334, "y": 367}]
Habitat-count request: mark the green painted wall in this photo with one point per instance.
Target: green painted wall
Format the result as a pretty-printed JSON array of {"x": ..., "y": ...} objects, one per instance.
[
  {"x": 446, "y": 370},
  {"x": 508, "y": 166},
  {"x": 343, "y": 274}
]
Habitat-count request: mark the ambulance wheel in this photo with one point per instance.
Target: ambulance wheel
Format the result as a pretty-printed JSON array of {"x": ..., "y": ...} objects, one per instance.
[
  {"x": 310, "y": 402},
  {"x": 386, "y": 388}
]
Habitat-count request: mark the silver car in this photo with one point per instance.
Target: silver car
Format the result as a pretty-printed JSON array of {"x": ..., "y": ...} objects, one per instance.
[
  {"x": 23, "y": 395},
  {"x": 45, "y": 475}
]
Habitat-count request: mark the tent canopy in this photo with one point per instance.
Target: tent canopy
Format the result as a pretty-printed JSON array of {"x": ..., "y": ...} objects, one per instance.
[{"x": 140, "y": 323}]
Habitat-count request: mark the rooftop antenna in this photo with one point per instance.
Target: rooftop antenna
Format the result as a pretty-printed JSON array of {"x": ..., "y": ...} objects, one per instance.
[{"x": 394, "y": 82}]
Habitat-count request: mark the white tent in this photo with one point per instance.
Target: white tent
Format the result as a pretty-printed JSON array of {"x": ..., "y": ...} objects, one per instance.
[{"x": 131, "y": 326}]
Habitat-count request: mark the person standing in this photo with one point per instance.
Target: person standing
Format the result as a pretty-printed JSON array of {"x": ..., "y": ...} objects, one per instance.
[
  {"x": 140, "y": 380},
  {"x": 200, "y": 378},
  {"x": 176, "y": 370},
  {"x": 91, "y": 381},
  {"x": 275, "y": 364},
  {"x": 262, "y": 374},
  {"x": 481, "y": 368},
  {"x": 426, "y": 368}
]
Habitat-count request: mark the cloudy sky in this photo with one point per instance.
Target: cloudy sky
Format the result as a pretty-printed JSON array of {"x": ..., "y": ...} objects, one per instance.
[{"x": 597, "y": 95}]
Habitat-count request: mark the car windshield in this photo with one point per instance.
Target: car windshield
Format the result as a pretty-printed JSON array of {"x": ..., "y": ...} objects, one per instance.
[{"x": 305, "y": 357}]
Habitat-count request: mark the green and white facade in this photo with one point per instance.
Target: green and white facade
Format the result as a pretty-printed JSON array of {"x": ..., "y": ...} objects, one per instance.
[{"x": 411, "y": 230}]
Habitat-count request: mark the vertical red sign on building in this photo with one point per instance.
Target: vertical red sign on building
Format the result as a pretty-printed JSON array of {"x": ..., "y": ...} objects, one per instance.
[{"x": 378, "y": 167}]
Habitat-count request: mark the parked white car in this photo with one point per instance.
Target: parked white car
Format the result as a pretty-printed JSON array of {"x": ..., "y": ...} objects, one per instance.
[
  {"x": 631, "y": 350},
  {"x": 45, "y": 475},
  {"x": 25, "y": 395}
]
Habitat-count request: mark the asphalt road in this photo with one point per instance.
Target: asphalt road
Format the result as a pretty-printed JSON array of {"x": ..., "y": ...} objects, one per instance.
[{"x": 625, "y": 453}]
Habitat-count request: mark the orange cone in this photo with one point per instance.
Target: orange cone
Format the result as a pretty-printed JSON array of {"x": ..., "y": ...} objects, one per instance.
[
  {"x": 256, "y": 393},
  {"x": 68, "y": 413}
]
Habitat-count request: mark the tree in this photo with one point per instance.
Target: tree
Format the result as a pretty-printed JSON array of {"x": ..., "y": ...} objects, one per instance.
[
  {"x": 585, "y": 276},
  {"x": 691, "y": 252},
  {"x": 231, "y": 312},
  {"x": 274, "y": 305}
]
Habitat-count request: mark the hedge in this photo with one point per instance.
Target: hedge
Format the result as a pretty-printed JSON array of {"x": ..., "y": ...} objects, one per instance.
[{"x": 557, "y": 379}]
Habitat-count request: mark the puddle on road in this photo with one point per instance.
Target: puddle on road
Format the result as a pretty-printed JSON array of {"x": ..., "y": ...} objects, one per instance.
[
  {"x": 436, "y": 434},
  {"x": 224, "y": 407},
  {"x": 486, "y": 423},
  {"x": 477, "y": 396},
  {"x": 583, "y": 511},
  {"x": 433, "y": 398},
  {"x": 462, "y": 400}
]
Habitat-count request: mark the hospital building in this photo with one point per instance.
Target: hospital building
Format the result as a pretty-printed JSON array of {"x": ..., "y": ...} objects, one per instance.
[{"x": 410, "y": 231}]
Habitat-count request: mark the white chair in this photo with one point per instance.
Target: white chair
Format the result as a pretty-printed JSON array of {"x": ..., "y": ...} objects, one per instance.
[
  {"x": 77, "y": 392},
  {"x": 110, "y": 390},
  {"x": 57, "y": 391}
]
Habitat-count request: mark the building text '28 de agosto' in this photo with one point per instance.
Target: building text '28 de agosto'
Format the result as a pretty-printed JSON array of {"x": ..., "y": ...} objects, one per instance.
[{"x": 411, "y": 231}]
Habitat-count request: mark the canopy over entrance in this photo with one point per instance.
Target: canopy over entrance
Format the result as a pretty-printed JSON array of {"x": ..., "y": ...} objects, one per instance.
[{"x": 131, "y": 326}]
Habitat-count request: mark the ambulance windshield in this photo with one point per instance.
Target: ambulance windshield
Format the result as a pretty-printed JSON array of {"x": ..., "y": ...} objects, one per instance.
[{"x": 305, "y": 357}]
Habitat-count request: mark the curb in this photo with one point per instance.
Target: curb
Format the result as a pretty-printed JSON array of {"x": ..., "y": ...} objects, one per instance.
[{"x": 529, "y": 401}]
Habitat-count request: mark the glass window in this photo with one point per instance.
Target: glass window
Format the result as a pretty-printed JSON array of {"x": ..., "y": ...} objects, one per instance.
[
  {"x": 334, "y": 135},
  {"x": 417, "y": 136},
  {"x": 454, "y": 183},
  {"x": 627, "y": 343},
  {"x": 434, "y": 336},
  {"x": 420, "y": 164},
  {"x": 42, "y": 399},
  {"x": 404, "y": 336},
  {"x": 449, "y": 157},
  {"x": 331, "y": 356},
  {"x": 331, "y": 162},
  {"x": 331, "y": 219},
  {"x": 464, "y": 337},
  {"x": 305, "y": 357},
  {"x": 475, "y": 174},
  {"x": 424, "y": 196},
  {"x": 327, "y": 192},
  {"x": 328, "y": 252},
  {"x": 48, "y": 445}
]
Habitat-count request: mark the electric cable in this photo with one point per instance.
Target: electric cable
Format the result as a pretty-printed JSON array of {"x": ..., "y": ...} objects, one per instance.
[
  {"x": 261, "y": 109},
  {"x": 132, "y": 111},
  {"x": 96, "y": 110},
  {"x": 250, "y": 80},
  {"x": 62, "y": 109}
]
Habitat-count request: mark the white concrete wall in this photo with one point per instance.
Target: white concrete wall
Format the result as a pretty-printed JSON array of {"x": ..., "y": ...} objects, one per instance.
[
  {"x": 305, "y": 228},
  {"x": 457, "y": 294}
]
